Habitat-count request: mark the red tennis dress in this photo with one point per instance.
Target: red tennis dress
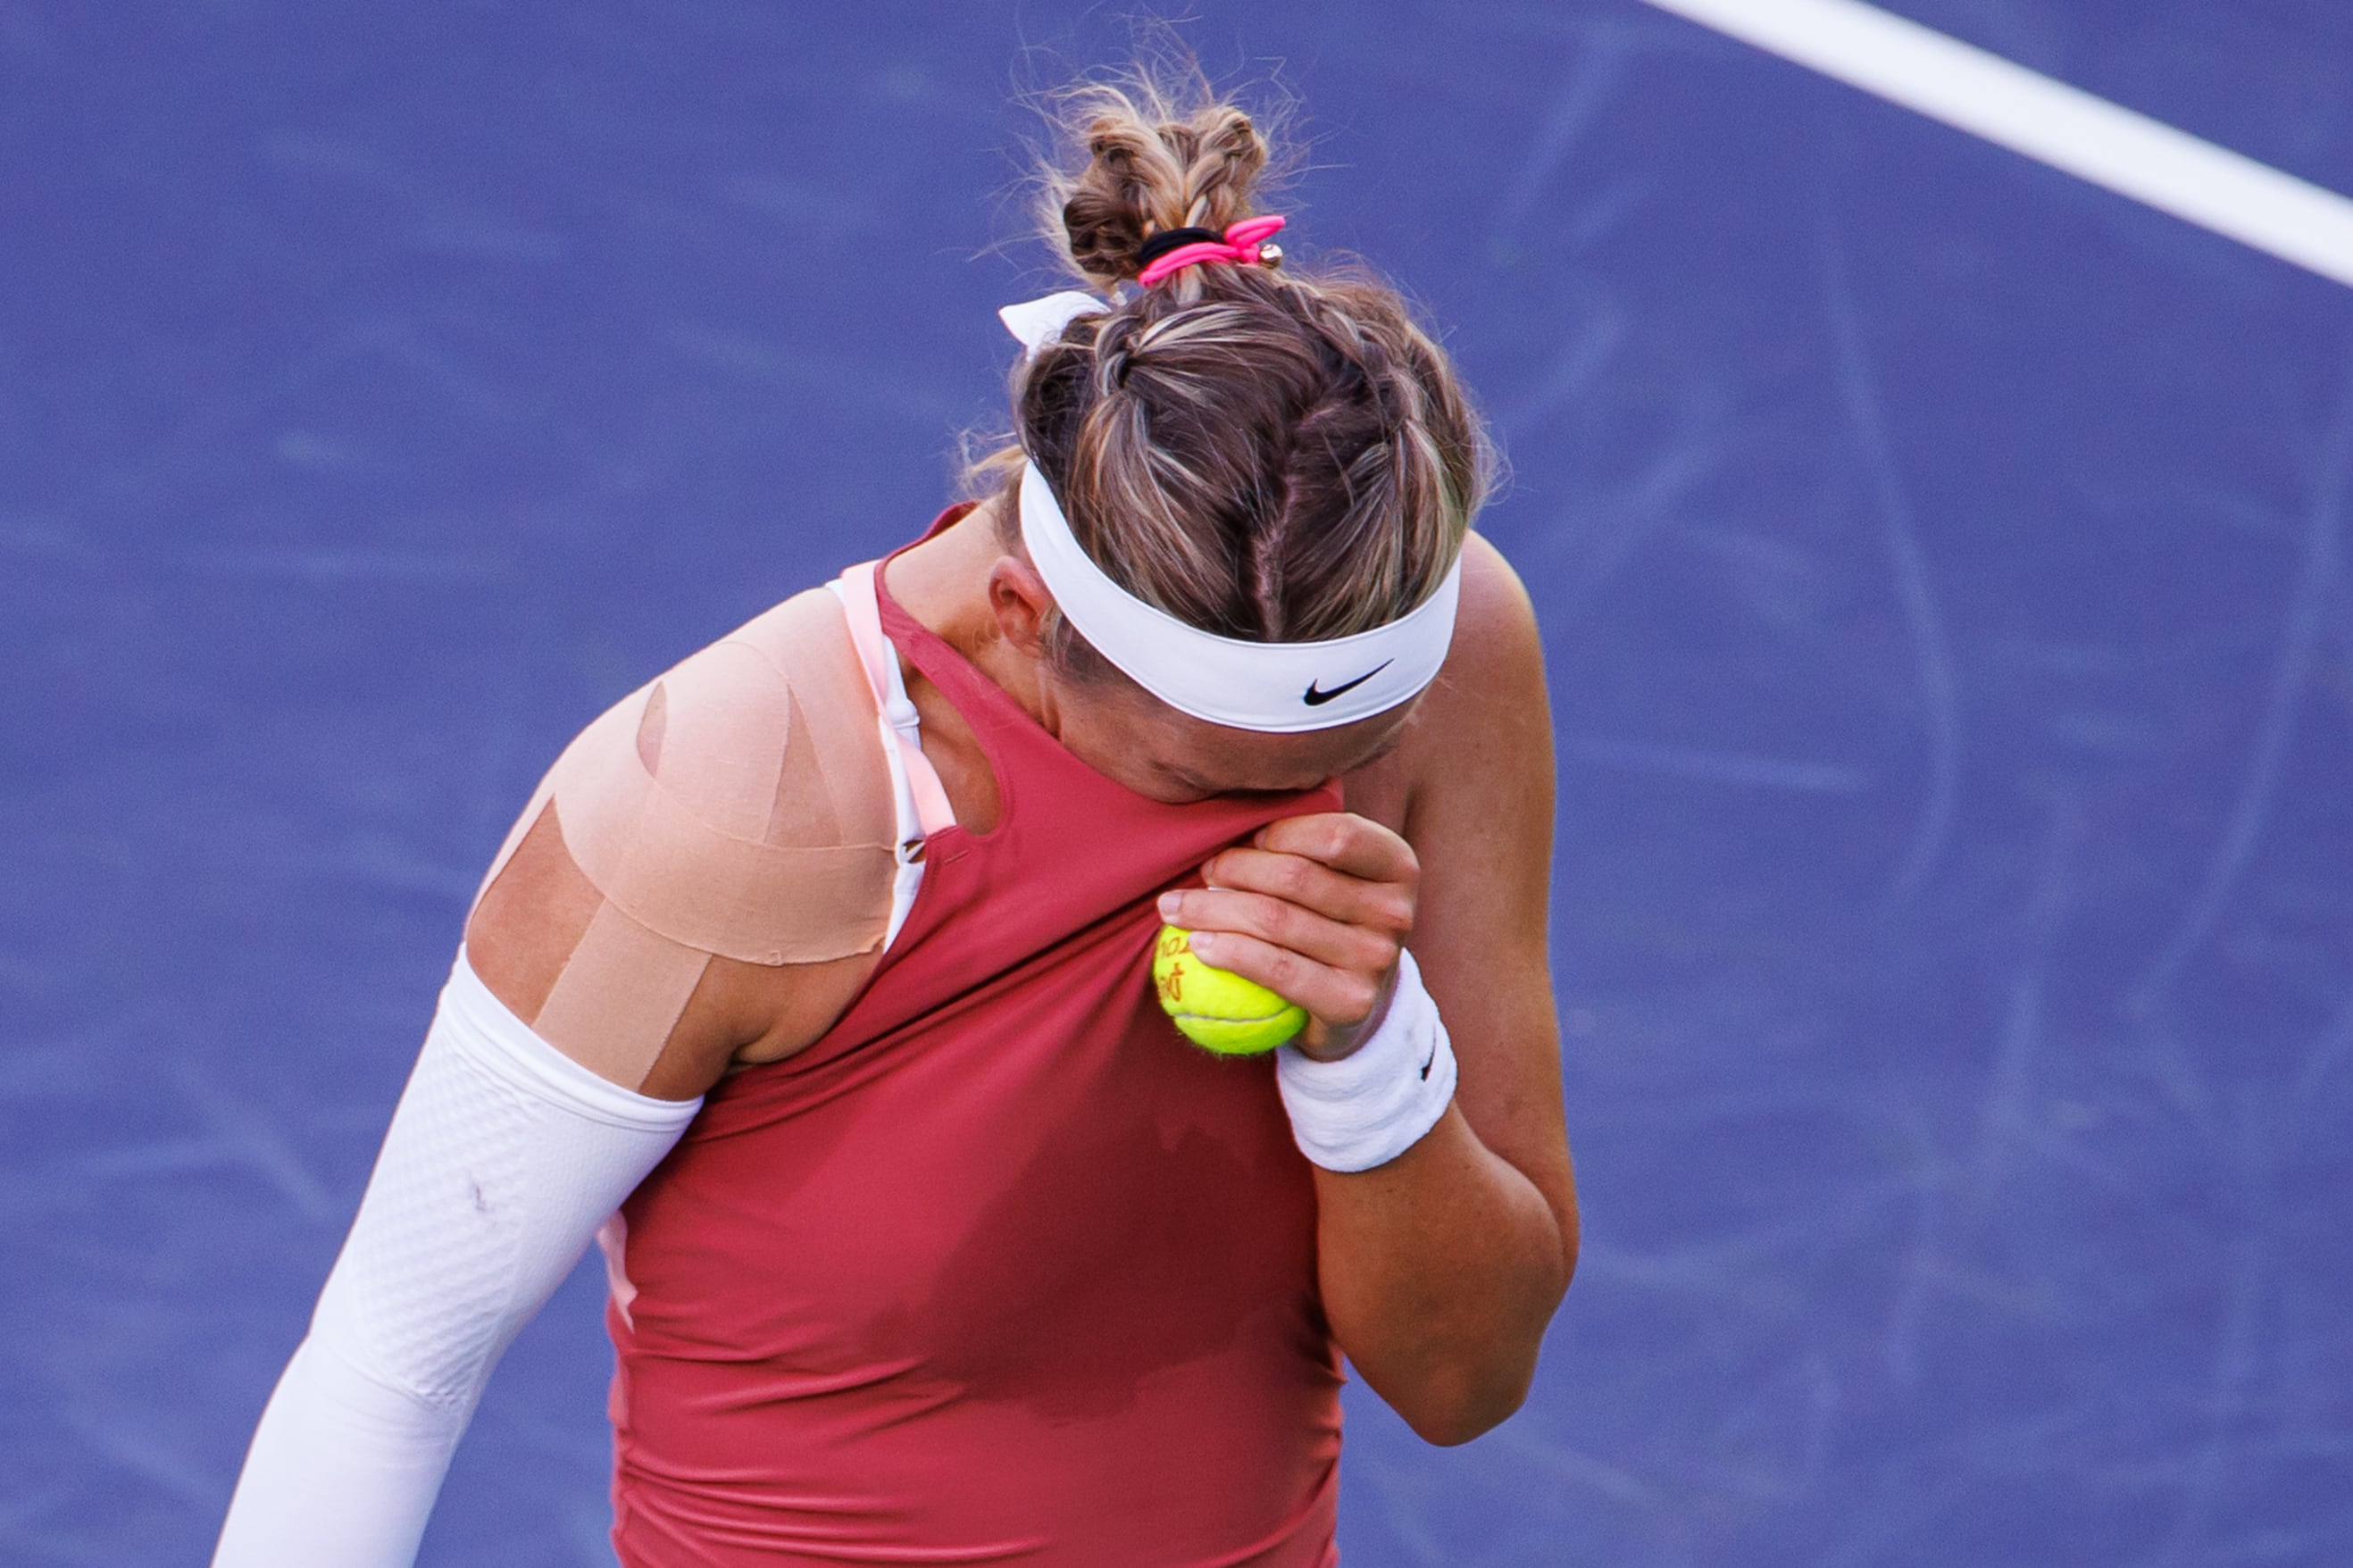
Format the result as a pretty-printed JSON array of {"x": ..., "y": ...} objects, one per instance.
[{"x": 1000, "y": 1269}]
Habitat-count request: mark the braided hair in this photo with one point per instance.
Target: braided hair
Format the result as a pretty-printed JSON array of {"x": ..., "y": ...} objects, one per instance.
[{"x": 1281, "y": 456}]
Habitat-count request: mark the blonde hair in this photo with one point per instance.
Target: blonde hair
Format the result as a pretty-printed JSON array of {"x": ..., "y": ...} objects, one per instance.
[{"x": 1277, "y": 455}]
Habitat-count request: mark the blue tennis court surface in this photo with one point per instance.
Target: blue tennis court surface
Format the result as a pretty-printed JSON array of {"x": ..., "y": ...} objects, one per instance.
[{"x": 1943, "y": 566}]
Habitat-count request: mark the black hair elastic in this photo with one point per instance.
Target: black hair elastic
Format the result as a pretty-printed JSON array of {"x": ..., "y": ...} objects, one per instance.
[{"x": 1170, "y": 239}]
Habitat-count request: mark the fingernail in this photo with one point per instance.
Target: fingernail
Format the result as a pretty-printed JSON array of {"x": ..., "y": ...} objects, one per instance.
[
  {"x": 1169, "y": 906},
  {"x": 1204, "y": 945}
]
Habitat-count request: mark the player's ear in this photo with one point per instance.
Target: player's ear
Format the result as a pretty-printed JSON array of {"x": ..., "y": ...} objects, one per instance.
[{"x": 1017, "y": 597}]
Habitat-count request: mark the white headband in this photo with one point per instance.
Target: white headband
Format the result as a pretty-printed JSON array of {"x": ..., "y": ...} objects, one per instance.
[{"x": 1273, "y": 687}]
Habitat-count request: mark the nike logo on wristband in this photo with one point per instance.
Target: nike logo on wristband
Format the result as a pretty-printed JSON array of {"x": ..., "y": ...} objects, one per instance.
[
  {"x": 1317, "y": 697},
  {"x": 1426, "y": 1066}
]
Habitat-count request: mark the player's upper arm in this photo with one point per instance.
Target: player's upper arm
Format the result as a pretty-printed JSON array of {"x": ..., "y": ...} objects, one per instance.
[
  {"x": 1479, "y": 816},
  {"x": 707, "y": 866}
]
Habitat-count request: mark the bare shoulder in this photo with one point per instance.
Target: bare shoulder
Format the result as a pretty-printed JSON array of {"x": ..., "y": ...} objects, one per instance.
[
  {"x": 1495, "y": 667},
  {"x": 705, "y": 866},
  {"x": 1485, "y": 721},
  {"x": 1476, "y": 768}
]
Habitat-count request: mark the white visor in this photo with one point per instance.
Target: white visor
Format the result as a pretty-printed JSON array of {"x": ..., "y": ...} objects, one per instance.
[{"x": 1273, "y": 687}]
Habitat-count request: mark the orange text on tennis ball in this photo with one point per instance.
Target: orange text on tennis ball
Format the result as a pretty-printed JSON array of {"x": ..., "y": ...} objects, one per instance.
[{"x": 1215, "y": 1008}]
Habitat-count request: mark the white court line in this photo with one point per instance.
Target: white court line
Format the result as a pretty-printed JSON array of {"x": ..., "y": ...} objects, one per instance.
[{"x": 2065, "y": 127}]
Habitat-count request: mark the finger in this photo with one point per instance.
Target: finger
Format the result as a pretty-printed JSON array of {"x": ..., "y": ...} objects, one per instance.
[
  {"x": 1283, "y": 924},
  {"x": 1312, "y": 885},
  {"x": 1349, "y": 844},
  {"x": 1340, "y": 998}
]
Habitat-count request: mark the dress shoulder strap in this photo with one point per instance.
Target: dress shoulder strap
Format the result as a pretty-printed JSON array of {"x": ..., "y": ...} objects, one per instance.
[{"x": 855, "y": 588}]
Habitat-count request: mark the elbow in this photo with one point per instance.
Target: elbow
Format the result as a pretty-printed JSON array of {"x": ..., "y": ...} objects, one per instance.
[
  {"x": 1469, "y": 1393},
  {"x": 1449, "y": 1422},
  {"x": 1472, "y": 1377},
  {"x": 1459, "y": 1404}
]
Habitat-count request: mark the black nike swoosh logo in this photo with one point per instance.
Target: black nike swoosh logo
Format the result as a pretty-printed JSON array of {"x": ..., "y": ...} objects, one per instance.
[
  {"x": 1426, "y": 1066},
  {"x": 1317, "y": 697}
]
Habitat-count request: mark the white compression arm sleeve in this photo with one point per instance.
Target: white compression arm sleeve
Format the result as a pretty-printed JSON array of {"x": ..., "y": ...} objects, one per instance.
[{"x": 504, "y": 1157}]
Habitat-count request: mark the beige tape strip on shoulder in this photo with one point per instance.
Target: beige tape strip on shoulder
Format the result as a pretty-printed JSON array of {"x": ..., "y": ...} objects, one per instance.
[{"x": 737, "y": 807}]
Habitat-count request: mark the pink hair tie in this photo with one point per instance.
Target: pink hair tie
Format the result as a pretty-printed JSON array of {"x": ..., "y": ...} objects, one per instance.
[{"x": 1244, "y": 245}]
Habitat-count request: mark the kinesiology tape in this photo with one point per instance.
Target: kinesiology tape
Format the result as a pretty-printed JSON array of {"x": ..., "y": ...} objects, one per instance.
[
  {"x": 738, "y": 807},
  {"x": 503, "y": 1158}
]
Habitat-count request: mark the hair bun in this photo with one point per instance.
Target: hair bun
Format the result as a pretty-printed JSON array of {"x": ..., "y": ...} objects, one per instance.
[{"x": 1158, "y": 158}]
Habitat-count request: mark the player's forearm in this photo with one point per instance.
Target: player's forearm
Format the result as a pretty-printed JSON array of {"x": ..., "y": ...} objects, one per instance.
[
  {"x": 344, "y": 1470},
  {"x": 1440, "y": 1270}
]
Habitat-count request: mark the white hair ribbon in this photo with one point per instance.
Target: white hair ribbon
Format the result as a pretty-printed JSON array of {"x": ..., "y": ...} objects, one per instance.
[
  {"x": 1272, "y": 688},
  {"x": 1038, "y": 323}
]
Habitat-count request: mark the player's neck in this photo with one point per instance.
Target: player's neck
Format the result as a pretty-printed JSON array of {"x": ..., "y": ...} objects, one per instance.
[{"x": 943, "y": 583}]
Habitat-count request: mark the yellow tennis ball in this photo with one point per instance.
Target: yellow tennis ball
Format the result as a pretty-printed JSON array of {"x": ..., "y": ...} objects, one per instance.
[{"x": 1215, "y": 1008}]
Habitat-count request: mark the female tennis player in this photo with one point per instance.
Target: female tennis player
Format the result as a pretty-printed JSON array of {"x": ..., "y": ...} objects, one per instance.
[{"x": 814, "y": 981}]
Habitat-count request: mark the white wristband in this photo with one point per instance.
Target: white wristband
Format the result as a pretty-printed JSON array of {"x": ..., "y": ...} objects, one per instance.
[{"x": 1374, "y": 1104}]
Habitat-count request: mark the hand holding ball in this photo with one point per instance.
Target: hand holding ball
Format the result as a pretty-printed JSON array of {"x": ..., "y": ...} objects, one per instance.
[{"x": 1217, "y": 1009}]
